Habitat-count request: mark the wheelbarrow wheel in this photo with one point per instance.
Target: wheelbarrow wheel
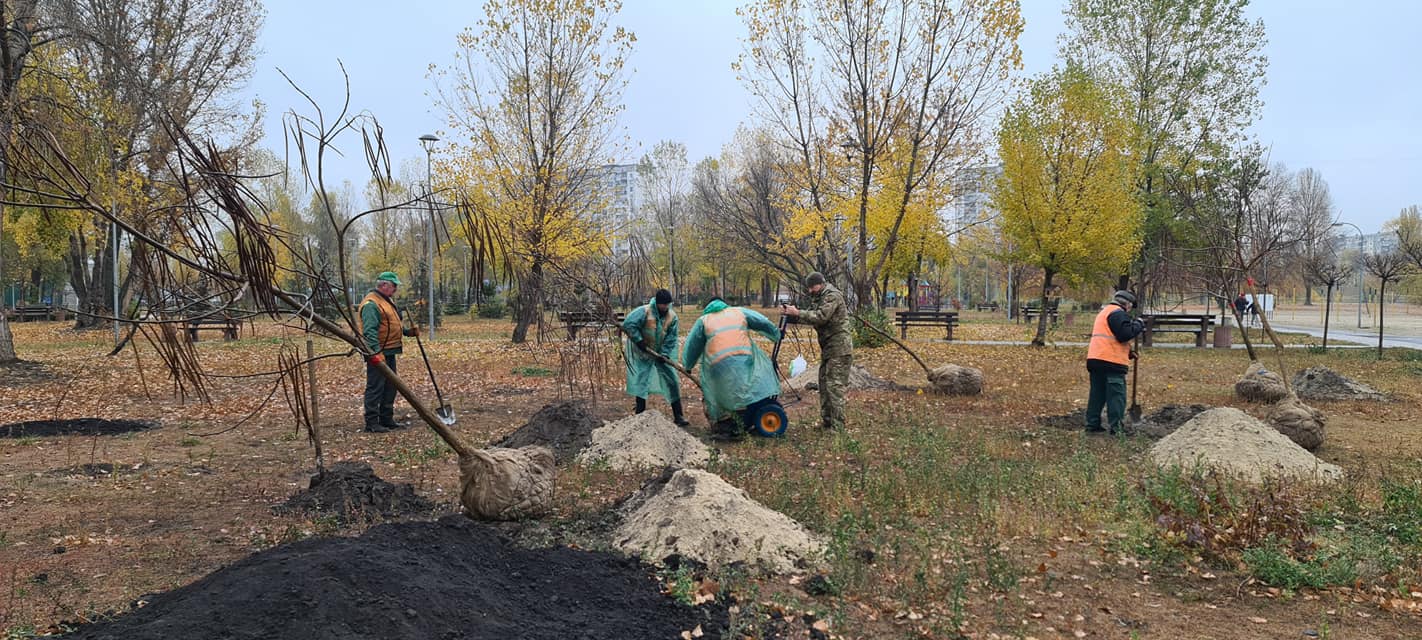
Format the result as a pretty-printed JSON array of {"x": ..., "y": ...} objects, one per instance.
[{"x": 769, "y": 420}]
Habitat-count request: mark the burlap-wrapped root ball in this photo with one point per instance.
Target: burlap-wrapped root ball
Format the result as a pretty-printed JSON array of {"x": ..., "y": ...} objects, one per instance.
[
  {"x": 507, "y": 484},
  {"x": 953, "y": 380},
  {"x": 1301, "y": 423},
  {"x": 1260, "y": 385}
]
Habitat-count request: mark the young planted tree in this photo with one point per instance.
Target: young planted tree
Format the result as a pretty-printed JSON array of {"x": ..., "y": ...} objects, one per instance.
[
  {"x": 1325, "y": 269},
  {"x": 535, "y": 96},
  {"x": 1191, "y": 71},
  {"x": 1066, "y": 194},
  {"x": 1386, "y": 266}
]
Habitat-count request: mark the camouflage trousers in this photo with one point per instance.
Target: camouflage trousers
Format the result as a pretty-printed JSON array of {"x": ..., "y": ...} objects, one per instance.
[{"x": 834, "y": 382}]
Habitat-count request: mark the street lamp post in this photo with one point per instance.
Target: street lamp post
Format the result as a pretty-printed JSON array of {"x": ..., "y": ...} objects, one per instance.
[
  {"x": 427, "y": 141},
  {"x": 1359, "y": 270}
]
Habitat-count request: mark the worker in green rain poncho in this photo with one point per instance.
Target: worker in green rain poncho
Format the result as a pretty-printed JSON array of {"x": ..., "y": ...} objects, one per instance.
[
  {"x": 735, "y": 373},
  {"x": 651, "y": 328}
]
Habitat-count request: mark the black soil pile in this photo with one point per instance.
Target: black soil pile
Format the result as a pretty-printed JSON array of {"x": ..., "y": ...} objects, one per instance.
[
  {"x": 564, "y": 427},
  {"x": 1166, "y": 420},
  {"x": 352, "y": 492},
  {"x": 1155, "y": 425},
  {"x": 447, "y": 580},
  {"x": 75, "y": 427}
]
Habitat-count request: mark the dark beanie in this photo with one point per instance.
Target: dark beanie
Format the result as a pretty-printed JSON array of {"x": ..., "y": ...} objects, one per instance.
[
  {"x": 814, "y": 279},
  {"x": 663, "y": 296}
]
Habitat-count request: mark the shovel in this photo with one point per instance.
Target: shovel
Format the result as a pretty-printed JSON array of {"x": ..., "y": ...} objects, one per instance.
[
  {"x": 1135, "y": 411},
  {"x": 444, "y": 412},
  {"x": 674, "y": 364}
]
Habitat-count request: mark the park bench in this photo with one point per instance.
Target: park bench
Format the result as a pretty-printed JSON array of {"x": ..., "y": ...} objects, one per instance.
[
  {"x": 1196, "y": 323},
  {"x": 228, "y": 327},
  {"x": 986, "y": 306},
  {"x": 575, "y": 320},
  {"x": 1030, "y": 310},
  {"x": 922, "y": 318},
  {"x": 25, "y": 313}
]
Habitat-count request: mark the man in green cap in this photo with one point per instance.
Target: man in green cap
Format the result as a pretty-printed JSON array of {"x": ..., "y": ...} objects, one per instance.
[
  {"x": 380, "y": 326},
  {"x": 829, "y": 315}
]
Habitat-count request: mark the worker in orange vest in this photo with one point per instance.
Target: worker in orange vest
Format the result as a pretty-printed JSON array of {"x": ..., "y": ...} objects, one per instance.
[
  {"x": 1108, "y": 360},
  {"x": 381, "y": 329}
]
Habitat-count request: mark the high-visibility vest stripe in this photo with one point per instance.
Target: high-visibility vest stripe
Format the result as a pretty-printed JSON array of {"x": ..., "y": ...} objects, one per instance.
[{"x": 727, "y": 335}]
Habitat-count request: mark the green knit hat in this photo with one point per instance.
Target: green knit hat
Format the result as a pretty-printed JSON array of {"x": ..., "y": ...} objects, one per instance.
[{"x": 388, "y": 276}]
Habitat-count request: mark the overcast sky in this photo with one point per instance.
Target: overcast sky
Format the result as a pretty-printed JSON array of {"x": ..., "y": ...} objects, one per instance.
[{"x": 1344, "y": 93}]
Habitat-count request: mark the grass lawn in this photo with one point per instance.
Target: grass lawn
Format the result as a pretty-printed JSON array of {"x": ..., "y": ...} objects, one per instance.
[{"x": 945, "y": 516}]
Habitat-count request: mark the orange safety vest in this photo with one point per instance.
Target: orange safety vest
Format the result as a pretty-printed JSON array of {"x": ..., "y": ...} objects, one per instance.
[
  {"x": 727, "y": 334},
  {"x": 1104, "y": 345},
  {"x": 390, "y": 329},
  {"x": 650, "y": 336}
]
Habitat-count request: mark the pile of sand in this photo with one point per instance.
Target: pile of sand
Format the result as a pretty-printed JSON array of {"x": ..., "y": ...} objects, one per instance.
[
  {"x": 1232, "y": 442},
  {"x": 646, "y": 440},
  {"x": 1322, "y": 383},
  {"x": 565, "y": 428},
  {"x": 1260, "y": 385},
  {"x": 697, "y": 515},
  {"x": 859, "y": 378},
  {"x": 1297, "y": 421},
  {"x": 954, "y": 380}
]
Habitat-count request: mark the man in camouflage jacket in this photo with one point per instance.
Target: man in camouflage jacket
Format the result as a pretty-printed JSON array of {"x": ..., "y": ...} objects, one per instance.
[{"x": 829, "y": 315}]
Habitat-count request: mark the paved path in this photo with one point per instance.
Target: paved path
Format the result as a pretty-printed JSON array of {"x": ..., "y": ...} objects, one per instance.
[{"x": 1355, "y": 335}]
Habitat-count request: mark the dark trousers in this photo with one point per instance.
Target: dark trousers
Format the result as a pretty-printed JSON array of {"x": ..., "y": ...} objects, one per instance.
[
  {"x": 1109, "y": 389},
  {"x": 379, "y": 395}
]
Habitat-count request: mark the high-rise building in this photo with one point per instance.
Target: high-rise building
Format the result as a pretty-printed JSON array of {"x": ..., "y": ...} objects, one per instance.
[
  {"x": 972, "y": 199},
  {"x": 621, "y": 218}
]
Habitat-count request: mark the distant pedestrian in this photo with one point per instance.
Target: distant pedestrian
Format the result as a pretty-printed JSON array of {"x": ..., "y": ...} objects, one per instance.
[{"x": 1241, "y": 306}]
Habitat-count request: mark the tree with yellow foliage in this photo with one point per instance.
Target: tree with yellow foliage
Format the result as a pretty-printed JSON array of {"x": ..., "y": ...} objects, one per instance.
[
  {"x": 1066, "y": 193},
  {"x": 880, "y": 103},
  {"x": 535, "y": 95}
]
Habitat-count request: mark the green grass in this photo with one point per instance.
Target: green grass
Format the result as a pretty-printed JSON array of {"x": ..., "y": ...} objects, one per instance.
[{"x": 533, "y": 372}]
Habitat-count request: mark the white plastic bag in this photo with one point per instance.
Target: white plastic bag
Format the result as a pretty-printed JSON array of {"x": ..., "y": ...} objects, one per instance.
[{"x": 798, "y": 366}]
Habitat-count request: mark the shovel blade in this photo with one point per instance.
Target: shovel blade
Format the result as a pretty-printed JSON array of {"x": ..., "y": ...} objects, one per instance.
[
  {"x": 445, "y": 414},
  {"x": 1134, "y": 412}
]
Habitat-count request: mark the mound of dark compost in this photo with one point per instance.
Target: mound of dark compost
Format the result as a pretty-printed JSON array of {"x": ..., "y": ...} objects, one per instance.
[
  {"x": 74, "y": 427},
  {"x": 351, "y": 492},
  {"x": 1167, "y": 419},
  {"x": 564, "y": 427},
  {"x": 449, "y": 580}
]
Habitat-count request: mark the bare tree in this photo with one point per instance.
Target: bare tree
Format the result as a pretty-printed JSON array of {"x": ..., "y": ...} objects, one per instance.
[
  {"x": 1313, "y": 210},
  {"x": 1324, "y": 268},
  {"x": 665, "y": 180},
  {"x": 1386, "y": 266}
]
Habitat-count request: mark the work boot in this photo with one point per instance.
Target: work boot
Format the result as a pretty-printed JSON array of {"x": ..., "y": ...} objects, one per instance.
[
  {"x": 376, "y": 428},
  {"x": 640, "y": 406},
  {"x": 396, "y": 425},
  {"x": 677, "y": 416}
]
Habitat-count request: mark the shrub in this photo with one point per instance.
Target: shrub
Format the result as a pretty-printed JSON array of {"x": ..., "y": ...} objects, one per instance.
[
  {"x": 867, "y": 337},
  {"x": 492, "y": 308}
]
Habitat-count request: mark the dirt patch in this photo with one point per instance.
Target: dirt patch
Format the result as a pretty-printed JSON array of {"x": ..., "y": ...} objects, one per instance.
[
  {"x": 859, "y": 378},
  {"x": 351, "y": 492},
  {"x": 646, "y": 440},
  {"x": 1075, "y": 420},
  {"x": 75, "y": 427},
  {"x": 451, "y": 579},
  {"x": 1322, "y": 383},
  {"x": 90, "y": 470},
  {"x": 564, "y": 427},
  {"x": 695, "y": 514},
  {"x": 1232, "y": 442},
  {"x": 1167, "y": 419}
]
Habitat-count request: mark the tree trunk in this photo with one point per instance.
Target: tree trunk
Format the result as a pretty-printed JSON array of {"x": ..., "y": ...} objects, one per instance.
[
  {"x": 1327, "y": 313},
  {"x": 1243, "y": 332},
  {"x": 1308, "y": 295},
  {"x": 1040, "y": 340},
  {"x": 1382, "y": 304},
  {"x": 765, "y": 298},
  {"x": 530, "y": 292}
]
